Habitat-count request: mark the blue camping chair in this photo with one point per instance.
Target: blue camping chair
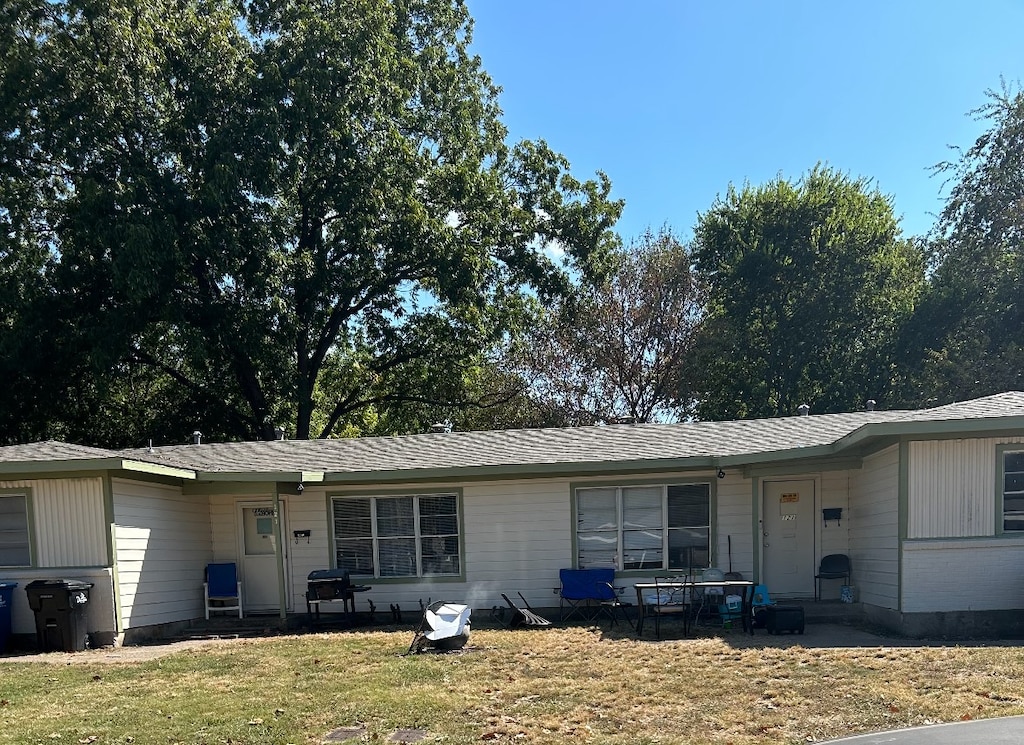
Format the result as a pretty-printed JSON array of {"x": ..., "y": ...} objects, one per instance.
[
  {"x": 222, "y": 589},
  {"x": 587, "y": 592},
  {"x": 759, "y": 603}
]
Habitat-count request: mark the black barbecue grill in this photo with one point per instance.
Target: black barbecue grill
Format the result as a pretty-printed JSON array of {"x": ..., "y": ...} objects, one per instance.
[{"x": 331, "y": 586}]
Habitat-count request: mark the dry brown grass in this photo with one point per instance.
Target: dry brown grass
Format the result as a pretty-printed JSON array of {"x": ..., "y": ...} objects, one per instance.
[{"x": 555, "y": 685}]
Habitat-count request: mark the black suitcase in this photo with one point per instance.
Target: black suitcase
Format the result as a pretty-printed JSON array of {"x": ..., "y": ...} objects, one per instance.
[{"x": 779, "y": 618}]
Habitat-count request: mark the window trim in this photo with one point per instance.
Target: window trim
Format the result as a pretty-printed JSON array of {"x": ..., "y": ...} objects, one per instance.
[
  {"x": 680, "y": 480},
  {"x": 1002, "y": 451},
  {"x": 24, "y": 491},
  {"x": 413, "y": 492}
]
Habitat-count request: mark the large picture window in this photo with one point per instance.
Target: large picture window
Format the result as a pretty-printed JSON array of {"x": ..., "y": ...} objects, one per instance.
[
  {"x": 397, "y": 536},
  {"x": 14, "y": 534},
  {"x": 1013, "y": 490},
  {"x": 644, "y": 527}
]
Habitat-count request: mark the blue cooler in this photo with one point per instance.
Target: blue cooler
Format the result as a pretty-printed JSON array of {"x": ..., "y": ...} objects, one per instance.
[{"x": 6, "y": 598}]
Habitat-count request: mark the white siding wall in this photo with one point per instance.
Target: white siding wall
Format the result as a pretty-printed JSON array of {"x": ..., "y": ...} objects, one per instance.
[
  {"x": 835, "y": 538},
  {"x": 734, "y": 519},
  {"x": 962, "y": 575},
  {"x": 874, "y": 528},
  {"x": 70, "y": 527},
  {"x": 163, "y": 543},
  {"x": 307, "y": 512},
  {"x": 70, "y": 543},
  {"x": 517, "y": 535},
  {"x": 952, "y": 488}
]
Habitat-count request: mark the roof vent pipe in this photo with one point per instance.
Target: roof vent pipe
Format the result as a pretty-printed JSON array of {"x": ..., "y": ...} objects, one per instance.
[
  {"x": 804, "y": 409},
  {"x": 197, "y": 438},
  {"x": 279, "y": 433},
  {"x": 444, "y": 426},
  {"x": 870, "y": 405}
]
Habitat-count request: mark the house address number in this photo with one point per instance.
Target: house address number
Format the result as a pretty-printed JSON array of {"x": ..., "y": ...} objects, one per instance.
[{"x": 263, "y": 512}]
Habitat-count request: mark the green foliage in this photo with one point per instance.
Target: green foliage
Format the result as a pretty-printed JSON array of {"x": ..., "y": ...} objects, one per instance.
[
  {"x": 273, "y": 212},
  {"x": 617, "y": 352},
  {"x": 969, "y": 332},
  {"x": 809, "y": 284}
]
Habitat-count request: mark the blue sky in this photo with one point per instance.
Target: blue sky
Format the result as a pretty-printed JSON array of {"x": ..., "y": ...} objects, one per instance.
[{"x": 675, "y": 100}]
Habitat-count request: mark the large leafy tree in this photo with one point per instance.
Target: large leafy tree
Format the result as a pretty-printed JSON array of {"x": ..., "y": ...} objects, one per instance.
[
  {"x": 618, "y": 353},
  {"x": 969, "y": 331},
  {"x": 810, "y": 282},
  {"x": 261, "y": 213}
]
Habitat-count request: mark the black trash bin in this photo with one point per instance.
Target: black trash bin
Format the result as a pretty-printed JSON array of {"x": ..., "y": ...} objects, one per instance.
[
  {"x": 59, "y": 605},
  {"x": 6, "y": 598}
]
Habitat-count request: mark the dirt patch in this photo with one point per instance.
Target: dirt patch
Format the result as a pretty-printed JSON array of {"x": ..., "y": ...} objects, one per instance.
[{"x": 114, "y": 655}]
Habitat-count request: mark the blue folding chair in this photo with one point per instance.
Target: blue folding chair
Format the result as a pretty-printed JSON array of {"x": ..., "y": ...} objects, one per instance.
[
  {"x": 222, "y": 590},
  {"x": 586, "y": 592}
]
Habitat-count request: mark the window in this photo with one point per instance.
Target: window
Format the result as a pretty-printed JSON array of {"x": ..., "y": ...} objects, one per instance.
[
  {"x": 644, "y": 527},
  {"x": 400, "y": 536},
  {"x": 14, "y": 536},
  {"x": 1013, "y": 490}
]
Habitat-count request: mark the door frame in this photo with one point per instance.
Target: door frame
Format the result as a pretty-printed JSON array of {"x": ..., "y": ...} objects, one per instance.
[
  {"x": 281, "y": 563},
  {"x": 761, "y": 497}
]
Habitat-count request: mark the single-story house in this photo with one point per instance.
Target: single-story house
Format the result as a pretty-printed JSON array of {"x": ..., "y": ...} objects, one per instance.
[{"x": 928, "y": 504}]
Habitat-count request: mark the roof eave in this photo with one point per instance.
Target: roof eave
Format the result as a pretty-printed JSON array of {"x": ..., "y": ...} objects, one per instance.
[
  {"x": 928, "y": 428},
  {"x": 307, "y": 477},
  {"x": 76, "y": 465}
]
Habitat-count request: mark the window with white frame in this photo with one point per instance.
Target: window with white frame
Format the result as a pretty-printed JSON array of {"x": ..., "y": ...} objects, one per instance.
[
  {"x": 1013, "y": 490},
  {"x": 14, "y": 535},
  {"x": 397, "y": 536},
  {"x": 644, "y": 527}
]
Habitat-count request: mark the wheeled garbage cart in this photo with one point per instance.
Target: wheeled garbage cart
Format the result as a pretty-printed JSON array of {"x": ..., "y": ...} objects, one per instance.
[
  {"x": 6, "y": 598},
  {"x": 60, "y": 609}
]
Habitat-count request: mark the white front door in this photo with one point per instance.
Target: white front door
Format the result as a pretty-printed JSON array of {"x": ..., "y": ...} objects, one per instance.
[
  {"x": 258, "y": 540},
  {"x": 787, "y": 537}
]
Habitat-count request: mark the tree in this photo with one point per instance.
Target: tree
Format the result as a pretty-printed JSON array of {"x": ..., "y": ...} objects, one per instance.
[
  {"x": 809, "y": 285},
  {"x": 277, "y": 212},
  {"x": 617, "y": 353},
  {"x": 969, "y": 331}
]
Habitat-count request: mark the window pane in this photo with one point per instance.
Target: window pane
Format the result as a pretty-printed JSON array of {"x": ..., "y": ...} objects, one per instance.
[
  {"x": 1014, "y": 482},
  {"x": 598, "y": 549},
  {"x": 689, "y": 547},
  {"x": 1014, "y": 461},
  {"x": 642, "y": 549},
  {"x": 352, "y": 518},
  {"x": 397, "y": 557},
  {"x": 439, "y": 525},
  {"x": 440, "y": 504},
  {"x": 14, "y": 537},
  {"x": 689, "y": 505},
  {"x": 356, "y": 556},
  {"x": 595, "y": 509},
  {"x": 641, "y": 507},
  {"x": 395, "y": 517},
  {"x": 1013, "y": 491},
  {"x": 441, "y": 555}
]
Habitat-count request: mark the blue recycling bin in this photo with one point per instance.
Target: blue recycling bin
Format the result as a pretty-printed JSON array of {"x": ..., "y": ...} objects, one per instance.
[{"x": 6, "y": 598}]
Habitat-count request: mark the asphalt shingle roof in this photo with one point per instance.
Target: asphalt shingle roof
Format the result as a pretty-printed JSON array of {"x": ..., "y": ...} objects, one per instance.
[{"x": 574, "y": 446}]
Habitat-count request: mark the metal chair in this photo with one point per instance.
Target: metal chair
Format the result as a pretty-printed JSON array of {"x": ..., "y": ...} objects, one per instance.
[
  {"x": 833, "y": 566},
  {"x": 670, "y": 600}
]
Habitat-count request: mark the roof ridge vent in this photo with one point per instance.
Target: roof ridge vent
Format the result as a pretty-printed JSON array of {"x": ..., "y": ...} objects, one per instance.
[{"x": 441, "y": 427}]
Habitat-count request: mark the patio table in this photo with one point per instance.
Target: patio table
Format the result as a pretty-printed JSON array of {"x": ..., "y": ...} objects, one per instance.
[{"x": 745, "y": 587}]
